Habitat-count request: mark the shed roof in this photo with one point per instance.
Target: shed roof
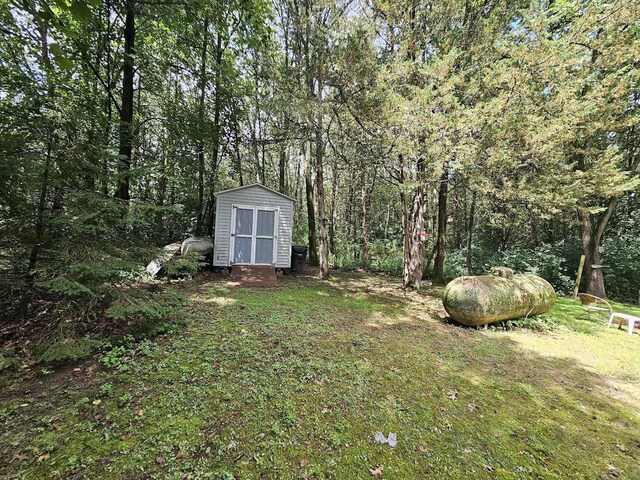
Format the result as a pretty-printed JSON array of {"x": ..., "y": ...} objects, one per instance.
[{"x": 259, "y": 185}]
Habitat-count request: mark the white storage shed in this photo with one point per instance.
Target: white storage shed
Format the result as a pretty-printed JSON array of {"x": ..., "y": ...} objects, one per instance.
[{"x": 253, "y": 227}]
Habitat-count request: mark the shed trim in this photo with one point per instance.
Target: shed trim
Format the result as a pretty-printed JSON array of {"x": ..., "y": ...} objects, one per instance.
[{"x": 254, "y": 185}]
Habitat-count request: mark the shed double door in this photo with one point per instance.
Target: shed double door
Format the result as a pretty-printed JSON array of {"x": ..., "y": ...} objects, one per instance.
[{"x": 253, "y": 235}]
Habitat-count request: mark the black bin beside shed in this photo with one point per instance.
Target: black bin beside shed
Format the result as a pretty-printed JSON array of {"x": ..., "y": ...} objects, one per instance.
[{"x": 298, "y": 258}]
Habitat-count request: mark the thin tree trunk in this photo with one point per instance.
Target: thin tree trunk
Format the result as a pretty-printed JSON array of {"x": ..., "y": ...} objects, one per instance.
[
  {"x": 39, "y": 230},
  {"x": 472, "y": 214},
  {"x": 126, "y": 109},
  {"x": 216, "y": 135},
  {"x": 200, "y": 147},
  {"x": 406, "y": 236},
  {"x": 238, "y": 158},
  {"x": 332, "y": 214},
  {"x": 364, "y": 240},
  {"x": 311, "y": 214},
  {"x": 108, "y": 103},
  {"x": 324, "y": 245},
  {"x": 44, "y": 186},
  {"x": 282, "y": 183},
  {"x": 438, "y": 273}
]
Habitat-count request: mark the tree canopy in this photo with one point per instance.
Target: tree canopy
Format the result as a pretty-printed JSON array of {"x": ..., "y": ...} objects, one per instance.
[{"x": 423, "y": 139}]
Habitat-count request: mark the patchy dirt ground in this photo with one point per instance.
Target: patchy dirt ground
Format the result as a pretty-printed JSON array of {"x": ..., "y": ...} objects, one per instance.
[{"x": 294, "y": 382}]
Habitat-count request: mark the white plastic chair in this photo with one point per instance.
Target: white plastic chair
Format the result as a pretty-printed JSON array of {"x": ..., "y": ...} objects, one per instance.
[{"x": 591, "y": 302}]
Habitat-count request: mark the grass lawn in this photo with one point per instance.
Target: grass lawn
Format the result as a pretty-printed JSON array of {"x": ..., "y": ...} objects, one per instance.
[{"x": 294, "y": 382}]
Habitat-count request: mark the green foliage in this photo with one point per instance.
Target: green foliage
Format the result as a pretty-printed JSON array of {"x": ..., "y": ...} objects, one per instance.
[
  {"x": 139, "y": 305},
  {"x": 538, "y": 323},
  {"x": 66, "y": 350},
  {"x": 546, "y": 260},
  {"x": 183, "y": 265},
  {"x": 120, "y": 357},
  {"x": 7, "y": 360},
  {"x": 622, "y": 259}
]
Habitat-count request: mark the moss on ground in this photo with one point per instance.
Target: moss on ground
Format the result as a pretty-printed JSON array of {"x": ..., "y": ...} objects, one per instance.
[{"x": 294, "y": 382}]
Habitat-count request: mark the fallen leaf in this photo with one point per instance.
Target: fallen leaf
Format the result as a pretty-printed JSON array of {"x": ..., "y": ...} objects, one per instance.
[
  {"x": 453, "y": 394},
  {"x": 44, "y": 457},
  {"x": 613, "y": 471},
  {"x": 422, "y": 448},
  {"x": 159, "y": 460},
  {"x": 472, "y": 407},
  {"x": 325, "y": 410},
  {"x": 21, "y": 457},
  {"x": 97, "y": 401},
  {"x": 376, "y": 472}
]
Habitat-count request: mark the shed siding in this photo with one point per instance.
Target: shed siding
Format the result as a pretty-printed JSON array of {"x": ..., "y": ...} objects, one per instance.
[{"x": 252, "y": 196}]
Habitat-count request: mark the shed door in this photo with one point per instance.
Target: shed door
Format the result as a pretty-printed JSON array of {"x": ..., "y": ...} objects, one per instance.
[
  {"x": 242, "y": 235},
  {"x": 254, "y": 235}
]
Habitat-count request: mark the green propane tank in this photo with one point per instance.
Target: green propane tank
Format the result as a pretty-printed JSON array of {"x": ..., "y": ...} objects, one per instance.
[{"x": 484, "y": 299}]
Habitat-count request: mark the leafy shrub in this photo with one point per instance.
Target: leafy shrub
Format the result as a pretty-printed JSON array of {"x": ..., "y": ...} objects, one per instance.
[
  {"x": 455, "y": 265},
  {"x": 622, "y": 272},
  {"x": 116, "y": 357},
  {"x": 384, "y": 257},
  {"x": 551, "y": 262},
  {"x": 120, "y": 356},
  {"x": 184, "y": 264}
]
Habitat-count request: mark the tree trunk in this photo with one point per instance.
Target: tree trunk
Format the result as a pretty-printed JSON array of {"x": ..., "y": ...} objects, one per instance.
[
  {"x": 324, "y": 244},
  {"x": 217, "y": 106},
  {"x": 282, "y": 184},
  {"x": 416, "y": 227},
  {"x": 44, "y": 186},
  {"x": 412, "y": 227},
  {"x": 108, "y": 102},
  {"x": 238, "y": 157},
  {"x": 364, "y": 240},
  {"x": 311, "y": 214},
  {"x": 126, "y": 109},
  {"x": 438, "y": 273},
  {"x": 591, "y": 249},
  {"x": 472, "y": 214},
  {"x": 332, "y": 213},
  {"x": 348, "y": 214},
  {"x": 39, "y": 231},
  {"x": 406, "y": 236},
  {"x": 200, "y": 145}
]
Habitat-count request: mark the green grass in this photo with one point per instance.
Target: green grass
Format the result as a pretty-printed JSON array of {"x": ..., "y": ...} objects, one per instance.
[{"x": 294, "y": 382}]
